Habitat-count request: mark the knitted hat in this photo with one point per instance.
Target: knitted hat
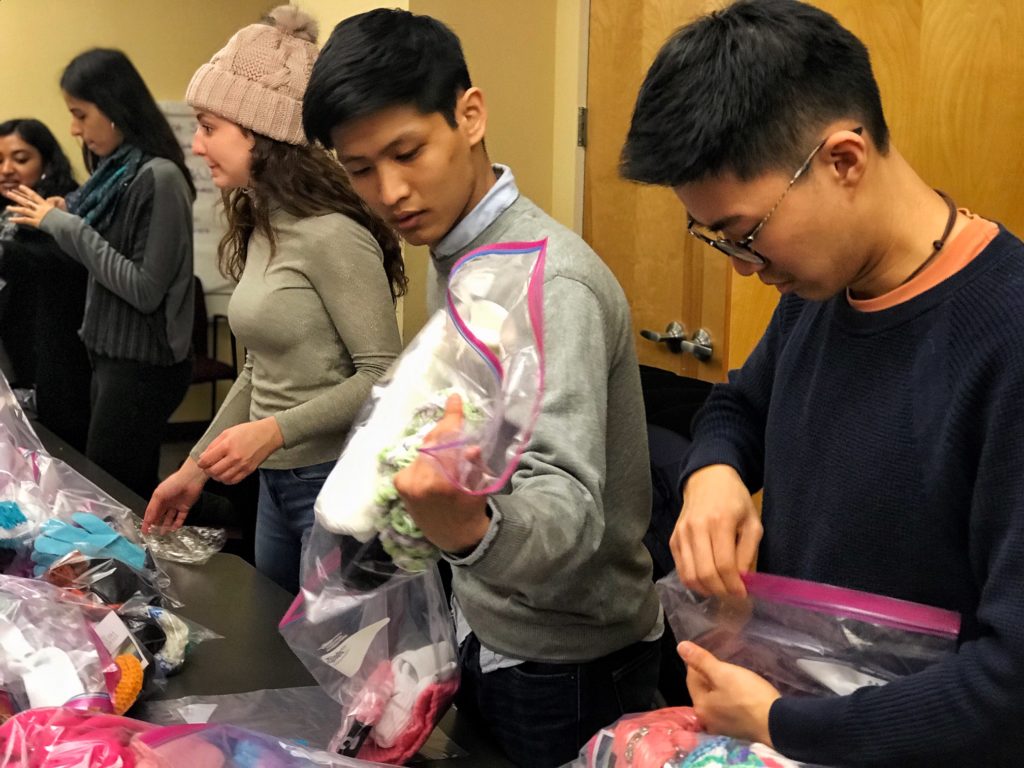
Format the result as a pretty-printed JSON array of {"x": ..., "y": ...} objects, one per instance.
[{"x": 257, "y": 80}]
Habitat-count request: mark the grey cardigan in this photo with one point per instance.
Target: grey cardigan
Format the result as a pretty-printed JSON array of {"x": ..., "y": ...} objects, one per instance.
[{"x": 139, "y": 300}]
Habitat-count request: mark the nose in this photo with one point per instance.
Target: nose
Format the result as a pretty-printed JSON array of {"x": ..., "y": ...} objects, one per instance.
[
  {"x": 198, "y": 147},
  {"x": 76, "y": 128},
  {"x": 391, "y": 185},
  {"x": 6, "y": 167},
  {"x": 746, "y": 268}
]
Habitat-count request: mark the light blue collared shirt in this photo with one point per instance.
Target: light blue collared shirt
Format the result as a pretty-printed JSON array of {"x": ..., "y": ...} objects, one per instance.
[{"x": 494, "y": 203}]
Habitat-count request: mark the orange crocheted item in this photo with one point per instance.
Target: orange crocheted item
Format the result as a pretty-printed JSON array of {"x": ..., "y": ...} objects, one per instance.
[{"x": 130, "y": 685}]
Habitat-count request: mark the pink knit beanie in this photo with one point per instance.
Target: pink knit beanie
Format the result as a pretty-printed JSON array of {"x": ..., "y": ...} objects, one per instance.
[{"x": 258, "y": 79}]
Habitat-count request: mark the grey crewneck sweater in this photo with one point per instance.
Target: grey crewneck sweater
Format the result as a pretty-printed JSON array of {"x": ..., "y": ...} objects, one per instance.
[
  {"x": 319, "y": 327},
  {"x": 563, "y": 575}
]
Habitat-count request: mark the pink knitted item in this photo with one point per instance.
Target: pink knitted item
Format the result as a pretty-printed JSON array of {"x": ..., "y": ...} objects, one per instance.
[
  {"x": 429, "y": 709},
  {"x": 653, "y": 739},
  {"x": 259, "y": 78}
]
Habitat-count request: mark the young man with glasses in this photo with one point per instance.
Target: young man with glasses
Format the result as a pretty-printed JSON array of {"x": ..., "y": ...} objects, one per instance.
[{"x": 883, "y": 410}]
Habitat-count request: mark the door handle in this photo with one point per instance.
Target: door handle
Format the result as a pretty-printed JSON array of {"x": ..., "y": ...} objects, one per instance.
[{"x": 699, "y": 345}]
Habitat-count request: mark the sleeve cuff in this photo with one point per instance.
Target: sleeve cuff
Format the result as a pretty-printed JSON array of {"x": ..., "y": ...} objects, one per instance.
[{"x": 464, "y": 559}]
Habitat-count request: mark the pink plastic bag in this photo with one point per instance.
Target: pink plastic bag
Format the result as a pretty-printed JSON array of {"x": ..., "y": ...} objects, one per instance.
[
  {"x": 486, "y": 347},
  {"x": 812, "y": 638}
]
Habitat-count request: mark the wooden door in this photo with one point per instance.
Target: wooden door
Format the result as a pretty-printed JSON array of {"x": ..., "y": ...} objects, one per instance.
[{"x": 952, "y": 83}]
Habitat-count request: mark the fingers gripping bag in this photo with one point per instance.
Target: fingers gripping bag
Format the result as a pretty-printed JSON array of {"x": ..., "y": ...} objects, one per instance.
[
  {"x": 387, "y": 656},
  {"x": 486, "y": 347},
  {"x": 809, "y": 638}
]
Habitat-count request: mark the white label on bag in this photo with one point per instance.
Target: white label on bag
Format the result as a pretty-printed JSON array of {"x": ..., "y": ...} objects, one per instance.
[
  {"x": 197, "y": 714},
  {"x": 346, "y": 653},
  {"x": 113, "y": 633}
]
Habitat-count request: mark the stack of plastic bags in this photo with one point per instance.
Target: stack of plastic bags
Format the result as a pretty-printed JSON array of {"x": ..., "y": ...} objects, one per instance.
[
  {"x": 371, "y": 621},
  {"x": 84, "y": 609}
]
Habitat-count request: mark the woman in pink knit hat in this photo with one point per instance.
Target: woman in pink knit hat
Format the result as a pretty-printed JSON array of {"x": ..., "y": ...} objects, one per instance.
[{"x": 317, "y": 274}]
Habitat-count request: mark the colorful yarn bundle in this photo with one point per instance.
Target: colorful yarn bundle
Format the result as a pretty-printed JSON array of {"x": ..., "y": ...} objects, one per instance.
[
  {"x": 672, "y": 738},
  {"x": 400, "y": 537}
]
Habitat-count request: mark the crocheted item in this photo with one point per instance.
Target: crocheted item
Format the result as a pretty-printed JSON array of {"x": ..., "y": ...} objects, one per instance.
[
  {"x": 400, "y": 537},
  {"x": 129, "y": 686}
]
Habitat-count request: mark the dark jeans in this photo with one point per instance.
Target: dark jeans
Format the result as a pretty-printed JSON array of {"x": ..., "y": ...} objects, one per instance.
[
  {"x": 131, "y": 402},
  {"x": 284, "y": 517},
  {"x": 541, "y": 714}
]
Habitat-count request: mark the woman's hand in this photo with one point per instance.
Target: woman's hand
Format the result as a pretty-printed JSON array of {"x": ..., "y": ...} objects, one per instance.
[
  {"x": 239, "y": 450},
  {"x": 30, "y": 208},
  {"x": 173, "y": 498}
]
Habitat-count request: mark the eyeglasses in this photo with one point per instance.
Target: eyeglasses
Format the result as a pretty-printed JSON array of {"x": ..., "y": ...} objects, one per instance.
[{"x": 743, "y": 249}]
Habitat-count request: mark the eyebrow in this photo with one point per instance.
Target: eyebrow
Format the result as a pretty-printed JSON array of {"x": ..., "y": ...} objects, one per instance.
[{"x": 343, "y": 159}]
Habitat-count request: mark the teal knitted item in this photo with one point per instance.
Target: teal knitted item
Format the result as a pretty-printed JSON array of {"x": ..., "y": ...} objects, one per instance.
[{"x": 13, "y": 524}]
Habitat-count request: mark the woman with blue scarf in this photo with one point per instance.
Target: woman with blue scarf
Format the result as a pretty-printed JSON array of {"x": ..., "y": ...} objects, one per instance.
[{"x": 130, "y": 226}]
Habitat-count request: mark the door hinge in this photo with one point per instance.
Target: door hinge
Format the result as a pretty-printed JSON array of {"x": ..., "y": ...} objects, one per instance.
[{"x": 581, "y": 127}]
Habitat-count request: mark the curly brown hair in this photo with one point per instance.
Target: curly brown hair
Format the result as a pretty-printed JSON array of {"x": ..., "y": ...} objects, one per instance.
[{"x": 303, "y": 180}]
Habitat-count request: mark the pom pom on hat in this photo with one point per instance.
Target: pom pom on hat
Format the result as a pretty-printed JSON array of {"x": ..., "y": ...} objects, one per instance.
[
  {"x": 258, "y": 79},
  {"x": 294, "y": 22}
]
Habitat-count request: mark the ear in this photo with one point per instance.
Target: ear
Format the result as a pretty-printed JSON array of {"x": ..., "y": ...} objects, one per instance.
[
  {"x": 846, "y": 154},
  {"x": 471, "y": 115}
]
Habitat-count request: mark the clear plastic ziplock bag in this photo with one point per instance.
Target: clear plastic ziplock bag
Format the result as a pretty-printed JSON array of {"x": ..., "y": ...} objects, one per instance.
[
  {"x": 49, "y": 653},
  {"x": 387, "y": 656},
  {"x": 53, "y": 510},
  {"x": 672, "y": 738},
  {"x": 486, "y": 347},
  {"x": 809, "y": 638}
]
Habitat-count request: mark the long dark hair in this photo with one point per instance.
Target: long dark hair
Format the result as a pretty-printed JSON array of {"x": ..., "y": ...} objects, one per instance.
[
  {"x": 108, "y": 79},
  {"x": 57, "y": 178},
  {"x": 303, "y": 181}
]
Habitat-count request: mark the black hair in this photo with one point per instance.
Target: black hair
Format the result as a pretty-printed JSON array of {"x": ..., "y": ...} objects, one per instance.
[
  {"x": 57, "y": 177},
  {"x": 108, "y": 79},
  {"x": 748, "y": 89},
  {"x": 379, "y": 59}
]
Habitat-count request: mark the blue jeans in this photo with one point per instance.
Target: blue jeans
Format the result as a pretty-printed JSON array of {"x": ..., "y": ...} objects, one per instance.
[
  {"x": 284, "y": 517},
  {"x": 541, "y": 714}
]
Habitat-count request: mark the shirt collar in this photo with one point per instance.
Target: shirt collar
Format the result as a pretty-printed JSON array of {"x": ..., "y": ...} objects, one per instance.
[{"x": 494, "y": 203}]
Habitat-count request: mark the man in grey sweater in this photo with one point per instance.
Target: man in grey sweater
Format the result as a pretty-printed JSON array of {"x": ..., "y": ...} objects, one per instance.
[{"x": 556, "y": 614}]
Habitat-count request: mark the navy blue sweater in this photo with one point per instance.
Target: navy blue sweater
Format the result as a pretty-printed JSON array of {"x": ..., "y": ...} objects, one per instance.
[{"x": 890, "y": 446}]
